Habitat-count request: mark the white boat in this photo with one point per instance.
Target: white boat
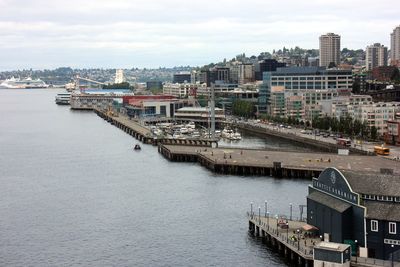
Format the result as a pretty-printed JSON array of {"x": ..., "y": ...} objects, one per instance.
[
  {"x": 63, "y": 98},
  {"x": 227, "y": 133},
  {"x": 17, "y": 83},
  {"x": 184, "y": 130},
  {"x": 236, "y": 136}
]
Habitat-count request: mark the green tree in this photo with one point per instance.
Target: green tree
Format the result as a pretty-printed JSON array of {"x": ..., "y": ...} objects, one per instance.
[{"x": 374, "y": 133}]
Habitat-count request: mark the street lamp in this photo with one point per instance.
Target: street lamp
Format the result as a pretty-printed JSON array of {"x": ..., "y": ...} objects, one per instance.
[
  {"x": 266, "y": 208},
  {"x": 290, "y": 210},
  {"x": 298, "y": 239},
  {"x": 251, "y": 209},
  {"x": 392, "y": 254},
  {"x": 287, "y": 232},
  {"x": 356, "y": 241},
  {"x": 268, "y": 219},
  {"x": 259, "y": 214}
]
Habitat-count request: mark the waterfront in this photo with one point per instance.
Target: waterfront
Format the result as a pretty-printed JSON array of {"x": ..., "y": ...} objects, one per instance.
[{"x": 74, "y": 192}]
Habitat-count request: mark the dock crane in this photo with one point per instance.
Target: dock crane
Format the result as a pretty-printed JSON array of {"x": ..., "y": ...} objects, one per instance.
[{"x": 78, "y": 78}]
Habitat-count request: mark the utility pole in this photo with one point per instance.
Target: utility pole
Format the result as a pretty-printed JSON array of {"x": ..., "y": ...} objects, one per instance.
[{"x": 212, "y": 106}]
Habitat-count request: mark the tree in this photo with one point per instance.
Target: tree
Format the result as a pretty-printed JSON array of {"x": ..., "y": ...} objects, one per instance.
[{"x": 374, "y": 133}]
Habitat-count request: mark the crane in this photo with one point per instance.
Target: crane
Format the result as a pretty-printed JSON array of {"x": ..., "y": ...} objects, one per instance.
[{"x": 77, "y": 78}]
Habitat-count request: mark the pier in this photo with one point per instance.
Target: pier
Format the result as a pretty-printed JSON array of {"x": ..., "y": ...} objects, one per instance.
[
  {"x": 290, "y": 241},
  {"x": 288, "y": 164},
  {"x": 143, "y": 134}
]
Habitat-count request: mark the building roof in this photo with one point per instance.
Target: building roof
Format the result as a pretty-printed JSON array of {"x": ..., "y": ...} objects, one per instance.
[
  {"x": 196, "y": 109},
  {"x": 329, "y": 201},
  {"x": 373, "y": 183},
  {"x": 385, "y": 211},
  {"x": 332, "y": 246}
]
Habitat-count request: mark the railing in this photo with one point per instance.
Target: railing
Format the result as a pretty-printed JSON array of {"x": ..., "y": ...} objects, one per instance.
[
  {"x": 374, "y": 262},
  {"x": 294, "y": 245}
]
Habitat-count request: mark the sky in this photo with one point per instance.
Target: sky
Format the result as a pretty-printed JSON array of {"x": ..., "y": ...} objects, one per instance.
[{"x": 42, "y": 34}]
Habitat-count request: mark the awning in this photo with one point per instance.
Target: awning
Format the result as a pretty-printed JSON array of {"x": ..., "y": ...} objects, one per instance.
[{"x": 308, "y": 227}]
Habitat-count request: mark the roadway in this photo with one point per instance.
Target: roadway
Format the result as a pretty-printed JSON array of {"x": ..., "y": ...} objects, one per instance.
[{"x": 360, "y": 144}]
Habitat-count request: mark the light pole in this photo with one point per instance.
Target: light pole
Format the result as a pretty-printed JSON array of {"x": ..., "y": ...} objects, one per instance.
[
  {"x": 392, "y": 254},
  {"x": 259, "y": 214},
  {"x": 287, "y": 232},
  {"x": 356, "y": 241},
  {"x": 290, "y": 210},
  {"x": 251, "y": 209},
  {"x": 266, "y": 208},
  {"x": 276, "y": 224},
  {"x": 298, "y": 239},
  {"x": 268, "y": 219}
]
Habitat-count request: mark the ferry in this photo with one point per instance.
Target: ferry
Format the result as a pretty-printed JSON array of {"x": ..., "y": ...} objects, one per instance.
[
  {"x": 27, "y": 83},
  {"x": 63, "y": 98}
]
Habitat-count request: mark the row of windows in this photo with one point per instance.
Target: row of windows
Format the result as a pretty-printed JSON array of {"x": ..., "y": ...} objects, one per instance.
[
  {"x": 375, "y": 227},
  {"x": 312, "y": 78},
  {"x": 381, "y": 198}
]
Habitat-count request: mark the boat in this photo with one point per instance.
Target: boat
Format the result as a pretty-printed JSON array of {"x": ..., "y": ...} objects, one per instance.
[
  {"x": 137, "y": 147},
  {"x": 236, "y": 136},
  {"x": 227, "y": 133},
  {"x": 17, "y": 83},
  {"x": 63, "y": 99}
]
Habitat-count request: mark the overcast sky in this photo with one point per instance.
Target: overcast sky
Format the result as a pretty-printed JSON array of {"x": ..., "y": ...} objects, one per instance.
[{"x": 151, "y": 33}]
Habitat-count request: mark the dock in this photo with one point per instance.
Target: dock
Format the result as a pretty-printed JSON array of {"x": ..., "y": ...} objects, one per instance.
[
  {"x": 288, "y": 164},
  {"x": 143, "y": 134},
  {"x": 291, "y": 241}
]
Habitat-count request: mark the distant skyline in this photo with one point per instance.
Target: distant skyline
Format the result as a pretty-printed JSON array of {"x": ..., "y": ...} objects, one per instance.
[{"x": 155, "y": 33}]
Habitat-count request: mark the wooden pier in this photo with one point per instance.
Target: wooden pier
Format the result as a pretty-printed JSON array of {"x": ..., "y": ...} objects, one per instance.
[
  {"x": 143, "y": 134},
  {"x": 290, "y": 242},
  {"x": 288, "y": 164}
]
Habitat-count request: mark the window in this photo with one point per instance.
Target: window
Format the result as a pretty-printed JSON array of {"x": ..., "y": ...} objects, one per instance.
[
  {"x": 374, "y": 226},
  {"x": 392, "y": 228}
]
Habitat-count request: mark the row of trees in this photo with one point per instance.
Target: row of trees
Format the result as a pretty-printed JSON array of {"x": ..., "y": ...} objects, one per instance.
[
  {"x": 346, "y": 125},
  {"x": 243, "y": 108}
]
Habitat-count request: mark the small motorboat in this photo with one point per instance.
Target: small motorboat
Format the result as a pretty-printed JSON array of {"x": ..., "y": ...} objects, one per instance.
[{"x": 137, "y": 147}]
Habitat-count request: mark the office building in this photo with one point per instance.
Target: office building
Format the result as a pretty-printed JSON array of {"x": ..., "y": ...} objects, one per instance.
[
  {"x": 329, "y": 50},
  {"x": 182, "y": 77},
  {"x": 395, "y": 46},
  {"x": 376, "y": 56},
  {"x": 181, "y": 90},
  {"x": 246, "y": 73},
  {"x": 310, "y": 79},
  {"x": 265, "y": 66}
]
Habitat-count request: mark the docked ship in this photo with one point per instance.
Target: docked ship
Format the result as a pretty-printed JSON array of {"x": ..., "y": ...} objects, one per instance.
[
  {"x": 17, "y": 83},
  {"x": 63, "y": 99}
]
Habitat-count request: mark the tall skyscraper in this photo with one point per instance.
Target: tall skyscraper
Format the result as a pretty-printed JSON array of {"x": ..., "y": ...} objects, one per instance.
[
  {"x": 329, "y": 49},
  {"x": 376, "y": 56},
  {"x": 395, "y": 46}
]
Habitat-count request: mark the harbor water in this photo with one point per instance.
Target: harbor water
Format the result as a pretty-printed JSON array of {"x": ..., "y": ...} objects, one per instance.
[{"x": 74, "y": 192}]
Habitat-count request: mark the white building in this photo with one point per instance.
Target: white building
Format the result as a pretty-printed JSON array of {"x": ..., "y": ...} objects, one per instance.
[
  {"x": 376, "y": 55},
  {"x": 181, "y": 90},
  {"x": 329, "y": 49},
  {"x": 395, "y": 45},
  {"x": 119, "y": 76},
  {"x": 377, "y": 114}
]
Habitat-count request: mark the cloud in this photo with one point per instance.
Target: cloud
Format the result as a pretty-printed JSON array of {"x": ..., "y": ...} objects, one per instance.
[{"x": 163, "y": 33}]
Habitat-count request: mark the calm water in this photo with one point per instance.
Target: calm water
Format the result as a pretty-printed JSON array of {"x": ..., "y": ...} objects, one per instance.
[{"x": 73, "y": 192}]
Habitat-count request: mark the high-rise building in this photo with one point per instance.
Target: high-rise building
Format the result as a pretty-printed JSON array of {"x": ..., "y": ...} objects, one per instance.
[
  {"x": 119, "y": 76},
  {"x": 246, "y": 73},
  {"x": 181, "y": 77},
  {"x": 329, "y": 50},
  {"x": 395, "y": 46},
  {"x": 376, "y": 56}
]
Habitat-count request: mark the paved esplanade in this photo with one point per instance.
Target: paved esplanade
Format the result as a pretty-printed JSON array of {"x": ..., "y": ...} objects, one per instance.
[{"x": 298, "y": 160}]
